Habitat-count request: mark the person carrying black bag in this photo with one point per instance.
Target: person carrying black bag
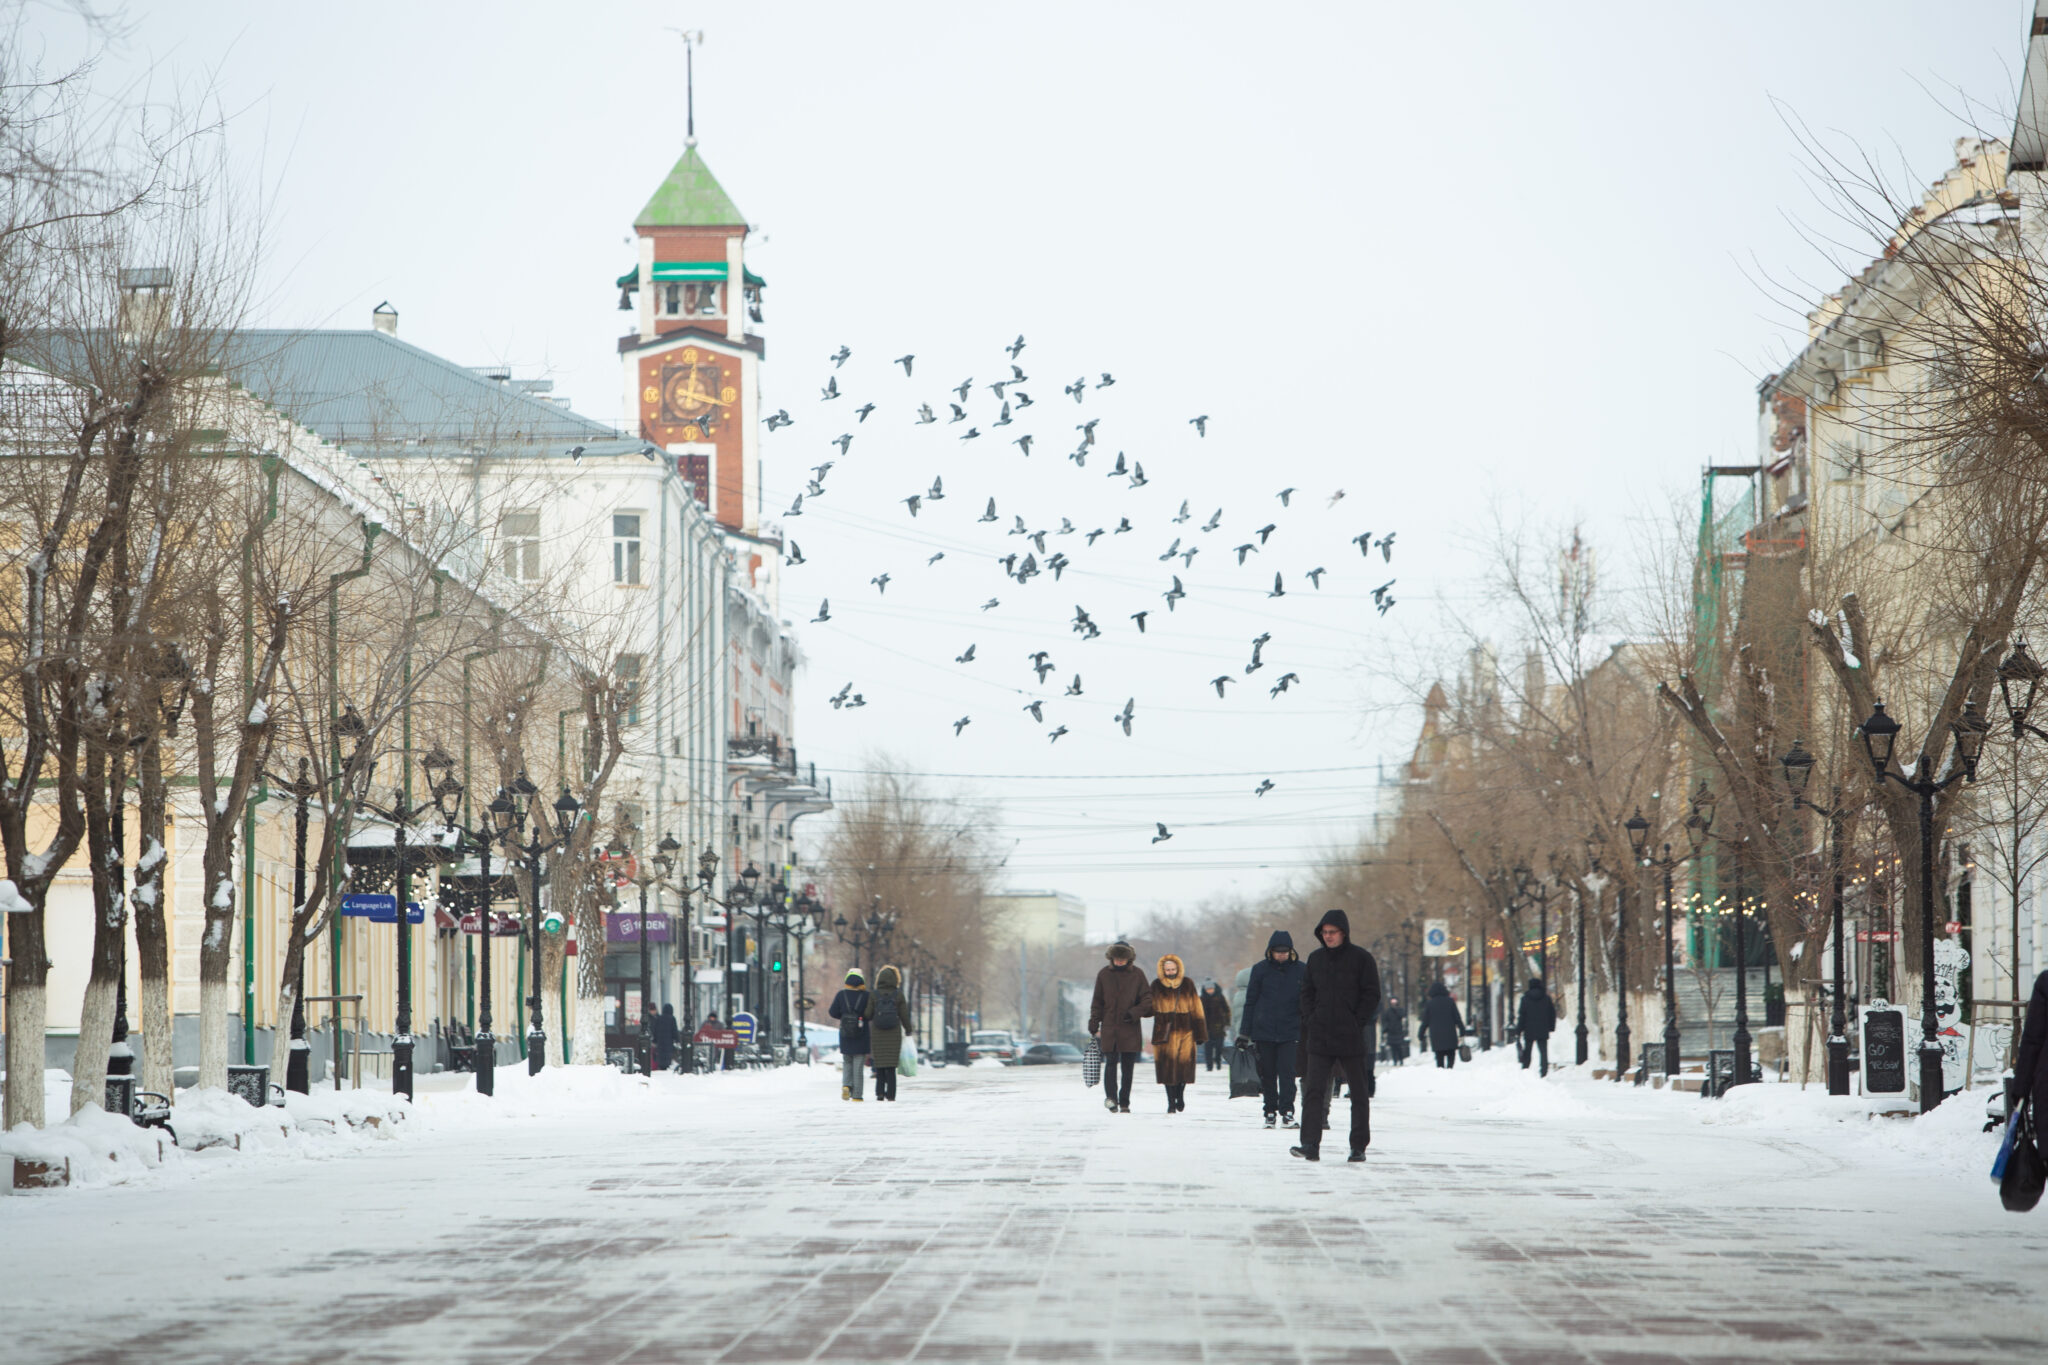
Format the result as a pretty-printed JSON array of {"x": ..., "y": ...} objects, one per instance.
[{"x": 2026, "y": 1170}]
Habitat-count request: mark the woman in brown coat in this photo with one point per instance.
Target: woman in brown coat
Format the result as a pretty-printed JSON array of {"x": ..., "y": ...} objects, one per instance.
[{"x": 1178, "y": 1028}]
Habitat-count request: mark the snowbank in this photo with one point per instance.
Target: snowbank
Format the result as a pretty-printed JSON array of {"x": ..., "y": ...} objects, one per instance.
[{"x": 99, "y": 1148}]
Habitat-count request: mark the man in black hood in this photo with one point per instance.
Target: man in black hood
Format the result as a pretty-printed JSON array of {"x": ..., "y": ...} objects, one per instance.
[
  {"x": 1272, "y": 1020},
  {"x": 1340, "y": 1000}
]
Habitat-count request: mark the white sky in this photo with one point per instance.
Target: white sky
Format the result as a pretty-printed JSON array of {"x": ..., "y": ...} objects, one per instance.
[{"x": 1447, "y": 259}]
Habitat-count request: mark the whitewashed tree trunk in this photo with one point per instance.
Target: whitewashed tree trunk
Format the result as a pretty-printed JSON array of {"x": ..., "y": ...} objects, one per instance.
[
  {"x": 27, "y": 1017},
  {"x": 95, "y": 1037},
  {"x": 590, "y": 991},
  {"x": 281, "y": 1036},
  {"x": 215, "y": 997},
  {"x": 158, "y": 1067}
]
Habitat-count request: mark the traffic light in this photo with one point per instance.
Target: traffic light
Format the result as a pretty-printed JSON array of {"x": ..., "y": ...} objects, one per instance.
[{"x": 775, "y": 964}]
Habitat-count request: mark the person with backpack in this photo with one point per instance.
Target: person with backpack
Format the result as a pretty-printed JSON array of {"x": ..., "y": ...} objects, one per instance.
[
  {"x": 1535, "y": 1021},
  {"x": 1441, "y": 1026},
  {"x": 1272, "y": 1023},
  {"x": 887, "y": 1024},
  {"x": 850, "y": 1008}
]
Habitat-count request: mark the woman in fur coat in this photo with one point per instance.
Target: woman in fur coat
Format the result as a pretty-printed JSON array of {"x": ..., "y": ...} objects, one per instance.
[{"x": 1179, "y": 1027}]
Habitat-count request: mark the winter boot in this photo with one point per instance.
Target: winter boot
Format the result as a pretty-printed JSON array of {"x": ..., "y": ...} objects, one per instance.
[
  {"x": 1357, "y": 1154},
  {"x": 1305, "y": 1154},
  {"x": 1123, "y": 1109},
  {"x": 845, "y": 1092},
  {"x": 1109, "y": 1104}
]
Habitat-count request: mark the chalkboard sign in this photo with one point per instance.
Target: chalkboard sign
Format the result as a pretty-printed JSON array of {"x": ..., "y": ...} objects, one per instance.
[{"x": 1884, "y": 1052}]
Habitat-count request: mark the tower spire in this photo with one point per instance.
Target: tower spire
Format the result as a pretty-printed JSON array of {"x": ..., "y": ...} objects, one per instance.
[{"x": 693, "y": 38}]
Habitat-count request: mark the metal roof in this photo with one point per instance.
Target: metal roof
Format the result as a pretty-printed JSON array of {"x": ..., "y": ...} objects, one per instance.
[
  {"x": 369, "y": 389},
  {"x": 690, "y": 197}
]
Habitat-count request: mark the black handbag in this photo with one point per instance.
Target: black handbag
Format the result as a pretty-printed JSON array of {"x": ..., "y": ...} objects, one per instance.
[
  {"x": 2026, "y": 1172},
  {"x": 1244, "y": 1070}
]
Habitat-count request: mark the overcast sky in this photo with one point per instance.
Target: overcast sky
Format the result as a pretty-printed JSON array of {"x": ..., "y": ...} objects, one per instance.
[{"x": 1458, "y": 262}]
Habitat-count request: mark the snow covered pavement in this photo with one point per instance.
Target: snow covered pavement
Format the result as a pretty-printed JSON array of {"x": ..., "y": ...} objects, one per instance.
[{"x": 1003, "y": 1215}]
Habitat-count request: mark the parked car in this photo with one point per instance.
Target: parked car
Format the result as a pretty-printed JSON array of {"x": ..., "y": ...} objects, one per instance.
[
  {"x": 993, "y": 1045},
  {"x": 1051, "y": 1054}
]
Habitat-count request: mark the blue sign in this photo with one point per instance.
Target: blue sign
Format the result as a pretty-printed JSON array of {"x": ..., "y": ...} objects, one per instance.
[
  {"x": 743, "y": 1026},
  {"x": 382, "y": 909}
]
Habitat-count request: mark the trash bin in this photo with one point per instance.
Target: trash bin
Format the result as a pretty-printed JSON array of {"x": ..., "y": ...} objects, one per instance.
[
  {"x": 252, "y": 1083},
  {"x": 121, "y": 1096}
]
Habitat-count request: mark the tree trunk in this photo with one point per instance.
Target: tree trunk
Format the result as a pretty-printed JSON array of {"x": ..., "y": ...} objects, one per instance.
[
  {"x": 552, "y": 953},
  {"x": 27, "y": 1016},
  {"x": 110, "y": 927},
  {"x": 152, "y": 931},
  {"x": 590, "y": 991}
]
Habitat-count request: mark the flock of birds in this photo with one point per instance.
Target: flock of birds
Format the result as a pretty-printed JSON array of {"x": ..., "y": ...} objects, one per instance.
[{"x": 1038, "y": 555}]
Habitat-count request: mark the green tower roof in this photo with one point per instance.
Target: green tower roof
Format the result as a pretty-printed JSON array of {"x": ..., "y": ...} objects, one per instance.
[{"x": 690, "y": 197}]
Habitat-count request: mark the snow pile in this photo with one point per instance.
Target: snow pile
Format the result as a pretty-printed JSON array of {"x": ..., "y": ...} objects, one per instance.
[
  {"x": 210, "y": 1119},
  {"x": 370, "y": 1113},
  {"x": 1950, "y": 1141},
  {"x": 101, "y": 1148}
]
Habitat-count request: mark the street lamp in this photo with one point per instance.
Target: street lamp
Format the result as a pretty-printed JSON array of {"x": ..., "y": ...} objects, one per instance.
[
  {"x": 1798, "y": 765},
  {"x": 298, "y": 1060},
  {"x": 2020, "y": 667},
  {"x": 1639, "y": 842},
  {"x": 1880, "y": 733},
  {"x": 544, "y": 840},
  {"x": 1703, "y": 805}
]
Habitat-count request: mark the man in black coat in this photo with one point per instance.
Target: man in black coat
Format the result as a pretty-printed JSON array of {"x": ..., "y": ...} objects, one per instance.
[
  {"x": 1272, "y": 1021},
  {"x": 1394, "y": 1031},
  {"x": 665, "y": 1037},
  {"x": 2030, "y": 1069},
  {"x": 1535, "y": 1021},
  {"x": 1441, "y": 1025},
  {"x": 1340, "y": 999}
]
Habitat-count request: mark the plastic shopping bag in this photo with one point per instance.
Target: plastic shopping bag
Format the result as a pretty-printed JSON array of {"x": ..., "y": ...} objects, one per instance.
[
  {"x": 1091, "y": 1063},
  {"x": 1244, "y": 1070},
  {"x": 906, "y": 1061}
]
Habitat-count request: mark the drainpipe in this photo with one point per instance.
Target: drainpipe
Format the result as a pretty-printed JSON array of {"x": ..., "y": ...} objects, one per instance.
[
  {"x": 371, "y": 530},
  {"x": 272, "y": 467}
]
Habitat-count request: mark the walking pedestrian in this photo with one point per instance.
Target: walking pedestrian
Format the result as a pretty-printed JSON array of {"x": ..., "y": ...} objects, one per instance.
[
  {"x": 1216, "y": 1015},
  {"x": 1121, "y": 995},
  {"x": 850, "y": 1008},
  {"x": 1272, "y": 1021},
  {"x": 1535, "y": 1020},
  {"x": 2030, "y": 1068},
  {"x": 888, "y": 1021},
  {"x": 1441, "y": 1026},
  {"x": 1179, "y": 1022},
  {"x": 1394, "y": 1031},
  {"x": 665, "y": 1027},
  {"x": 1340, "y": 999}
]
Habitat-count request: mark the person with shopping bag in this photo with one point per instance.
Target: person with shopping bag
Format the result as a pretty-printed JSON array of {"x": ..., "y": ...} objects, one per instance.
[
  {"x": 888, "y": 1022},
  {"x": 1121, "y": 994},
  {"x": 1272, "y": 1022},
  {"x": 2022, "y": 1168}
]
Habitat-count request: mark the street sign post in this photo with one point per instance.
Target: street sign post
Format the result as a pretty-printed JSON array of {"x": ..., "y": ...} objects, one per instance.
[
  {"x": 743, "y": 1026},
  {"x": 381, "y": 909},
  {"x": 1436, "y": 937}
]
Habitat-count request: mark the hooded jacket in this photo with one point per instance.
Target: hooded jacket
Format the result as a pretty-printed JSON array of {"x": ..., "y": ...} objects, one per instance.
[
  {"x": 850, "y": 1008},
  {"x": 1121, "y": 997},
  {"x": 1272, "y": 995},
  {"x": 1216, "y": 1010},
  {"x": 1536, "y": 1017},
  {"x": 885, "y": 1045},
  {"x": 1440, "y": 1022},
  {"x": 1179, "y": 1024},
  {"x": 2030, "y": 1072},
  {"x": 1340, "y": 995}
]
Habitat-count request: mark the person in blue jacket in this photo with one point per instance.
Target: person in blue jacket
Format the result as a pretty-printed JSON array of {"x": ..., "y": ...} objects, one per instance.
[
  {"x": 1272, "y": 1021},
  {"x": 850, "y": 1008}
]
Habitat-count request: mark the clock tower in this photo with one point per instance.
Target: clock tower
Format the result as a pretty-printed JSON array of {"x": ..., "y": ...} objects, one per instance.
[{"x": 692, "y": 367}]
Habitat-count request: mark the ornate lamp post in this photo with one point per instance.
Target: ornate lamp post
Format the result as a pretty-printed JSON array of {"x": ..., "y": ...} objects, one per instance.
[
  {"x": 1798, "y": 765},
  {"x": 2020, "y": 667},
  {"x": 544, "y": 841},
  {"x": 663, "y": 863},
  {"x": 298, "y": 1061},
  {"x": 1880, "y": 732},
  {"x": 1703, "y": 806},
  {"x": 1639, "y": 841}
]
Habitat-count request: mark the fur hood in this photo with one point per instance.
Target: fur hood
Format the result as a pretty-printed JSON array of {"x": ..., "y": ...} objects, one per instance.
[
  {"x": 888, "y": 979},
  {"x": 1180, "y": 969}
]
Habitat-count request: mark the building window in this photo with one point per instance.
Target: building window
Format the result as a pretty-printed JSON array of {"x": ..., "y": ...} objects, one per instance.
[
  {"x": 628, "y": 669},
  {"x": 625, "y": 547},
  {"x": 519, "y": 541}
]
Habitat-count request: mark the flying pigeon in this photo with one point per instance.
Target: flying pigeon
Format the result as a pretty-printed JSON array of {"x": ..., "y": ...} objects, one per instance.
[
  {"x": 1364, "y": 543},
  {"x": 1004, "y": 419},
  {"x": 904, "y": 361},
  {"x": 1041, "y": 664},
  {"x": 1123, "y": 717},
  {"x": 1121, "y": 469},
  {"x": 1137, "y": 474},
  {"x": 1218, "y": 681},
  {"x": 1315, "y": 576},
  {"x": 575, "y": 454},
  {"x": 1123, "y": 524},
  {"x": 1085, "y": 624},
  {"x": 1087, "y": 430},
  {"x": 881, "y": 582},
  {"x": 966, "y": 658},
  {"x": 796, "y": 509},
  {"x": 1200, "y": 424},
  {"x": 1163, "y": 833},
  {"x": 1245, "y": 549},
  {"x": 1286, "y": 679},
  {"x": 959, "y": 413},
  {"x": 779, "y": 418},
  {"x": 1077, "y": 388},
  {"x": 1183, "y": 514},
  {"x": 997, "y": 386},
  {"x": 1284, "y": 494},
  {"x": 1379, "y": 593},
  {"x": 863, "y": 410},
  {"x": 912, "y": 502},
  {"x": 1107, "y": 380},
  {"x": 839, "y": 356},
  {"x": 1265, "y": 531},
  {"x": 925, "y": 415},
  {"x": 1278, "y": 591},
  {"x": 1079, "y": 455},
  {"x": 1171, "y": 550},
  {"x": 1024, "y": 442},
  {"x": 1335, "y": 498},
  {"x": 990, "y": 514},
  {"x": 831, "y": 388},
  {"x": 1092, "y": 535},
  {"x": 1263, "y": 787},
  {"x": 858, "y": 700},
  {"x": 1066, "y": 527},
  {"x": 1023, "y": 399},
  {"x": 1020, "y": 529},
  {"x": 1057, "y": 563},
  {"x": 1074, "y": 687},
  {"x": 1174, "y": 593},
  {"x": 961, "y": 724},
  {"x": 992, "y": 603},
  {"x": 1057, "y": 733},
  {"x": 839, "y": 698},
  {"x": 1017, "y": 372},
  {"x": 1187, "y": 556},
  {"x": 821, "y": 470},
  {"x": 1213, "y": 522},
  {"x": 842, "y": 440},
  {"x": 1037, "y": 710},
  {"x": 824, "y": 611},
  {"x": 1016, "y": 348},
  {"x": 964, "y": 387},
  {"x": 1386, "y": 547},
  {"x": 937, "y": 492},
  {"x": 796, "y": 553},
  {"x": 814, "y": 488},
  {"x": 935, "y": 559}
]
